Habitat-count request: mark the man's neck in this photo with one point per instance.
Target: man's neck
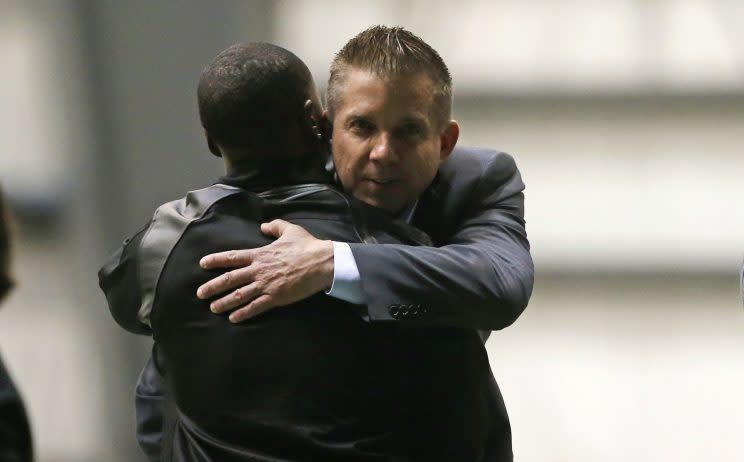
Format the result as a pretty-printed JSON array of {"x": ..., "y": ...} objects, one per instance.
[
  {"x": 241, "y": 171},
  {"x": 281, "y": 172}
]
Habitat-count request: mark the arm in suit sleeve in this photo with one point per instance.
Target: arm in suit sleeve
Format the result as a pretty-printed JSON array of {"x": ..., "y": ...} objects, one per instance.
[
  {"x": 481, "y": 279},
  {"x": 118, "y": 279}
]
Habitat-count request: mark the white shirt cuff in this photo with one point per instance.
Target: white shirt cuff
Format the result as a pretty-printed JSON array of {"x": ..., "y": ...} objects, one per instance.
[{"x": 347, "y": 283}]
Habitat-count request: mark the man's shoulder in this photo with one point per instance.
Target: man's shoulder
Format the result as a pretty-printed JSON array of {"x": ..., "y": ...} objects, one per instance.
[
  {"x": 166, "y": 225},
  {"x": 195, "y": 203},
  {"x": 470, "y": 161},
  {"x": 171, "y": 219},
  {"x": 466, "y": 167}
]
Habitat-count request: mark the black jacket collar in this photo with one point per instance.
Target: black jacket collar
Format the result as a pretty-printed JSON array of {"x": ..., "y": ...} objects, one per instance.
[{"x": 280, "y": 175}]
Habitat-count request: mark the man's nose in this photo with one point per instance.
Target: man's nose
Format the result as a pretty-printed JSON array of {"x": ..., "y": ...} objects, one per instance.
[{"x": 383, "y": 150}]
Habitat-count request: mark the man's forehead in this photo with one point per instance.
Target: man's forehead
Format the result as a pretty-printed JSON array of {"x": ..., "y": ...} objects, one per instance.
[
  {"x": 419, "y": 80},
  {"x": 397, "y": 114},
  {"x": 407, "y": 96}
]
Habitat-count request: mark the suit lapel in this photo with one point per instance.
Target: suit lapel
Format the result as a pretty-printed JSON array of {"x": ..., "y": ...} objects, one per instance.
[{"x": 428, "y": 213}]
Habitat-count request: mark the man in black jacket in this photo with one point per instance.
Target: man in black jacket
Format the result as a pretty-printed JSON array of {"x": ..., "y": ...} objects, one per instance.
[{"x": 15, "y": 435}]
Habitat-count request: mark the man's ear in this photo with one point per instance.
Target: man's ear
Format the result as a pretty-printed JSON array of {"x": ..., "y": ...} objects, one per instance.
[
  {"x": 212, "y": 145},
  {"x": 448, "y": 139},
  {"x": 319, "y": 123},
  {"x": 309, "y": 108},
  {"x": 326, "y": 127},
  {"x": 312, "y": 117}
]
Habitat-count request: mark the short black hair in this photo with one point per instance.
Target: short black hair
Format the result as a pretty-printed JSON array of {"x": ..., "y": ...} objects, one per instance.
[{"x": 250, "y": 92}]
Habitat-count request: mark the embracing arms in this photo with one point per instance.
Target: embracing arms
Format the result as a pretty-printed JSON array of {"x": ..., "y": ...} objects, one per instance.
[{"x": 480, "y": 277}]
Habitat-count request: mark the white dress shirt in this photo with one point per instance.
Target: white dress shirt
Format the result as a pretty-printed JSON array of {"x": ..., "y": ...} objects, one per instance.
[{"x": 347, "y": 283}]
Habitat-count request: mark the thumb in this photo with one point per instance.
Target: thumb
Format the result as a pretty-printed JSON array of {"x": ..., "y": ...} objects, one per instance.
[{"x": 275, "y": 228}]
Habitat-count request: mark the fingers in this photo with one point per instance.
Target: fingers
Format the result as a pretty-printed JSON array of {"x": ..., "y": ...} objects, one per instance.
[
  {"x": 256, "y": 307},
  {"x": 229, "y": 259},
  {"x": 239, "y": 297},
  {"x": 275, "y": 228},
  {"x": 225, "y": 282}
]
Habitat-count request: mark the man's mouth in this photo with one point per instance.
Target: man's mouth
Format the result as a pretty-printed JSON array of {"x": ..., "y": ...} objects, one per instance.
[{"x": 382, "y": 181}]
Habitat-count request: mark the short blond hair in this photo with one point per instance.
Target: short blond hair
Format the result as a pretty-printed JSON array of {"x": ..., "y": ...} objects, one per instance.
[{"x": 391, "y": 52}]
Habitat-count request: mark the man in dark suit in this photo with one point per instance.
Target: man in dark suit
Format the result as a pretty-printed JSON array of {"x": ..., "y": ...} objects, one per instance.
[
  {"x": 15, "y": 435},
  {"x": 389, "y": 101}
]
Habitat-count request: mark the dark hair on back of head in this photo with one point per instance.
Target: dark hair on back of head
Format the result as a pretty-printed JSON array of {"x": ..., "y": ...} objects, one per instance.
[
  {"x": 391, "y": 52},
  {"x": 248, "y": 94}
]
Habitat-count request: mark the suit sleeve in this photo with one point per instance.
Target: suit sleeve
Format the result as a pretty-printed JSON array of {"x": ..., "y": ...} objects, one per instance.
[
  {"x": 481, "y": 279},
  {"x": 119, "y": 280}
]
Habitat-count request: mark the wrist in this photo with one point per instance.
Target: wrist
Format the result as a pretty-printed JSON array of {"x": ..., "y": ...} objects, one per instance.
[{"x": 325, "y": 263}]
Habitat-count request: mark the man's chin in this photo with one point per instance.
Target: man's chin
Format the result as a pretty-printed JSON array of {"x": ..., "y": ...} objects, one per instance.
[{"x": 390, "y": 206}]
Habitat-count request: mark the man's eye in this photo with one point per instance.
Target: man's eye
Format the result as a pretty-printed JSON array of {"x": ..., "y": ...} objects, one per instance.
[
  {"x": 362, "y": 126},
  {"x": 409, "y": 131}
]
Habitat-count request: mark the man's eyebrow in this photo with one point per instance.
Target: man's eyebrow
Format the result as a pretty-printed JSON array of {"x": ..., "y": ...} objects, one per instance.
[{"x": 356, "y": 115}]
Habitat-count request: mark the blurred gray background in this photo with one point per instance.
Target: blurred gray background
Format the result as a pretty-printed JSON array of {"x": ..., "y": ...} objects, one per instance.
[{"x": 626, "y": 118}]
